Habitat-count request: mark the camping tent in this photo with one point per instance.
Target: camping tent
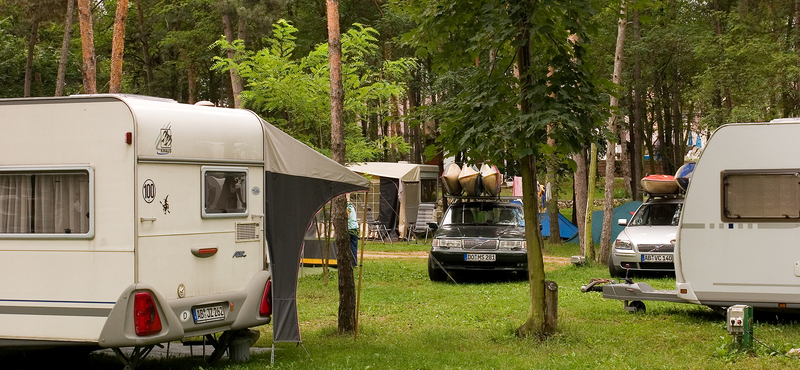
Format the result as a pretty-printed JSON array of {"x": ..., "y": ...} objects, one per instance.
[
  {"x": 565, "y": 228},
  {"x": 623, "y": 211},
  {"x": 396, "y": 191},
  {"x": 299, "y": 181}
]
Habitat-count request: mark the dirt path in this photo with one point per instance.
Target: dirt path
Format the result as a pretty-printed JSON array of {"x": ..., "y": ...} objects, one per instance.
[{"x": 424, "y": 254}]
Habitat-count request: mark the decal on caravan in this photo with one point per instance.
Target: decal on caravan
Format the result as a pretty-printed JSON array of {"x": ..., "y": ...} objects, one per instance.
[{"x": 130, "y": 221}]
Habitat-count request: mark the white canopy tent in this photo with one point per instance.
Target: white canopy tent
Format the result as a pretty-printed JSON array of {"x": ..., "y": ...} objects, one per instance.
[{"x": 397, "y": 189}]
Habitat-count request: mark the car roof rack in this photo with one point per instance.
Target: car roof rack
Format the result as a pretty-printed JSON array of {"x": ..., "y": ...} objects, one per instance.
[
  {"x": 675, "y": 195},
  {"x": 482, "y": 198}
]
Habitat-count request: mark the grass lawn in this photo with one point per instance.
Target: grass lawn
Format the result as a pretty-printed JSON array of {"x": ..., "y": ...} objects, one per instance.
[{"x": 409, "y": 322}]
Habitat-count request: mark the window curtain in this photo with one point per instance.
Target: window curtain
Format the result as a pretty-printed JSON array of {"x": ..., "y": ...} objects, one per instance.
[
  {"x": 15, "y": 192},
  {"x": 62, "y": 204}
]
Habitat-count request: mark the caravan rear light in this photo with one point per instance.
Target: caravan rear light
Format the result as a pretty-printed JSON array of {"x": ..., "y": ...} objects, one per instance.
[
  {"x": 266, "y": 300},
  {"x": 145, "y": 314}
]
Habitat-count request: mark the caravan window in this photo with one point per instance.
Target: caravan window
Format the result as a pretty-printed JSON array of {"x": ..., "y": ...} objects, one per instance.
[
  {"x": 759, "y": 196},
  {"x": 224, "y": 192},
  {"x": 42, "y": 203}
]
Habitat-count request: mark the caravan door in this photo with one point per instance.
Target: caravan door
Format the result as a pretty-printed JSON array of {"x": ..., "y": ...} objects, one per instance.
[{"x": 199, "y": 228}]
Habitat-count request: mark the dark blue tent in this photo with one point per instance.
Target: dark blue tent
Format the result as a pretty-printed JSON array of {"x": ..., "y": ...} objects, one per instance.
[
  {"x": 623, "y": 211},
  {"x": 566, "y": 228}
]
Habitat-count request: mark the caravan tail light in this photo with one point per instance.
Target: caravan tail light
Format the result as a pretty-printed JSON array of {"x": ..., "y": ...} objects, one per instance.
[
  {"x": 145, "y": 314},
  {"x": 266, "y": 300}
]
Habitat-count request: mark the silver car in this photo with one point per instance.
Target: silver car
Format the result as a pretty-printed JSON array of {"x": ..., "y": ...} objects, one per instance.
[{"x": 648, "y": 241}]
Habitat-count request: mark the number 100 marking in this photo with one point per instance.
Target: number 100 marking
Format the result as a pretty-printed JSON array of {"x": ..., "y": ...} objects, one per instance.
[{"x": 149, "y": 191}]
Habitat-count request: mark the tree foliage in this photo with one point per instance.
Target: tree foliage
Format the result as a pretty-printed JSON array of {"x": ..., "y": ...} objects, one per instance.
[{"x": 294, "y": 92}]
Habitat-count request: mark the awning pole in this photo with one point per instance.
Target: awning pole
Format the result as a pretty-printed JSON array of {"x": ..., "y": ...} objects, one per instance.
[{"x": 361, "y": 261}]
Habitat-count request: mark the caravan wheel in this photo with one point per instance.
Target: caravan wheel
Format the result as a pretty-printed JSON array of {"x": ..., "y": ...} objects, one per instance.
[{"x": 636, "y": 306}]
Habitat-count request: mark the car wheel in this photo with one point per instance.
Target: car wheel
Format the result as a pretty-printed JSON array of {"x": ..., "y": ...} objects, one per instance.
[
  {"x": 614, "y": 269},
  {"x": 435, "y": 273}
]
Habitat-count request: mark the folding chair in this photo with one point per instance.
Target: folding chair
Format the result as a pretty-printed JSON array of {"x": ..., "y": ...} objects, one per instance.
[
  {"x": 424, "y": 219},
  {"x": 377, "y": 227}
]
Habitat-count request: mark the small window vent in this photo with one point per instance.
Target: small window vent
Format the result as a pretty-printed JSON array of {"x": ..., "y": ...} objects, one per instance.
[{"x": 246, "y": 232}]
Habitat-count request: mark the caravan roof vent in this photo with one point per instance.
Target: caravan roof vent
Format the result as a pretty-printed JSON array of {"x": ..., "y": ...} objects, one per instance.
[{"x": 205, "y": 103}]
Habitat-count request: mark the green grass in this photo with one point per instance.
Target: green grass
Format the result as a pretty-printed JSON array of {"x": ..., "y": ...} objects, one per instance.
[{"x": 409, "y": 322}]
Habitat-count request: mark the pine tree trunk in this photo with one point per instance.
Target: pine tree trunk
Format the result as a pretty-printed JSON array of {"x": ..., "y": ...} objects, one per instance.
[
  {"x": 118, "y": 47},
  {"x": 87, "y": 46},
  {"x": 591, "y": 181},
  {"x": 191, "y": 77},
  {"x": 29, "y": 60},
  {"x": 347, "y": 301},
  {"x": 145, "y": 48},
  {"x": 638, "y": 155},
  {"x": 608, "y": 206},
  {"x": 62, "y": 62},
  {"x": 552, "y": 203},
  {"x": 237, "y": 85},
  {"x": 580, "y": 190}
]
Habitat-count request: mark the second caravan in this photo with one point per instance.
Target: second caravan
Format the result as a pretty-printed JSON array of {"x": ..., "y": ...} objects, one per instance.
[{"x": 737, "y": 238}]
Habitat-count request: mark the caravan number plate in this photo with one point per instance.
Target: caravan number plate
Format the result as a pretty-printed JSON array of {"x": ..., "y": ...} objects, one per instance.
[
  {"x": 474, "y": 257},
  {"x": 208, "y": 314},
  {"x": 656, "y": 258}
]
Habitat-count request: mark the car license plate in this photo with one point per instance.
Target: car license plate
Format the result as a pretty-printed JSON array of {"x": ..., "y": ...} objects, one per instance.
[
  {"x": 482, "y": 257},
  {"x": 656, "y": 258},
  {"x": 208, "y": 314}
]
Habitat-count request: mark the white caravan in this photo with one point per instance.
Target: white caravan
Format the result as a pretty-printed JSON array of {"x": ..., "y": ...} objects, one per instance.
[
  {"x": 132, "y": 221},
  {"x": 740, "y": 223}
]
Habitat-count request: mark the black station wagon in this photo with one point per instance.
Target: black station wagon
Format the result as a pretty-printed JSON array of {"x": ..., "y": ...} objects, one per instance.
[{"x": 479, "y": 236}]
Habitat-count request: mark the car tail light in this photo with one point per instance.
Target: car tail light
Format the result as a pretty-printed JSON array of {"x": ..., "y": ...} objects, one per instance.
[
  {"x": 266, "y": 300},
  {"x": 145, "y": 314}
]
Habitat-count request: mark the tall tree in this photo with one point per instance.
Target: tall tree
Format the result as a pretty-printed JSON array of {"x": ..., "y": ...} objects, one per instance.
[
  {"x": 87, "y": 45},
  {"x": 118, "y": 47},
  {"x": 580, "y": 189},
  {"x": 62, "y": 62},
  {"x": 638, "y": 115},
  {"x": 608, "y": 207},
  {"x": 490, "y": 113},
  {"x": 237, "y": 84},
  {"x": 347, "y": 296},
  {"x": 31, "y": 47},
  {"x": 145, "y": 46}
]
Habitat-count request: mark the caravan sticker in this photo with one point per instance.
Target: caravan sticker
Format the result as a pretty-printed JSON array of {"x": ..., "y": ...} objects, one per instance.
[
  {"x": 149, "y": 191},
  {"x": 165, "y": 204},
  {"x": 164, "y": 141}
]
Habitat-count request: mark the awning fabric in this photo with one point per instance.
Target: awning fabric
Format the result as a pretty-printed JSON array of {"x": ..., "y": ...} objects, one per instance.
[{"x": 299, "y": 181}]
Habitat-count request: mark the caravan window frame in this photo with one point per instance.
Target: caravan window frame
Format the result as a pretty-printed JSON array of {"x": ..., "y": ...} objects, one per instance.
[
  {"x": 52, "y": 171},
  {"x": 205, "y": 210},
  {"x": 743, "y": 195}
]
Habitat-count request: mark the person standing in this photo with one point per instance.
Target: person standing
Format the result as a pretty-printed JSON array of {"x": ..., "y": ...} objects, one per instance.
[{"x": 352, "y": 229}]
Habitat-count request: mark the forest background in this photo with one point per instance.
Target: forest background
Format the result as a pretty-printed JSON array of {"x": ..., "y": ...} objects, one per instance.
[{"x": 690, "y": 66}]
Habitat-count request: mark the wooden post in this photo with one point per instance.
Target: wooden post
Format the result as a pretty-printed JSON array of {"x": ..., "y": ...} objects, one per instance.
[{"x": 551, "y": 308}]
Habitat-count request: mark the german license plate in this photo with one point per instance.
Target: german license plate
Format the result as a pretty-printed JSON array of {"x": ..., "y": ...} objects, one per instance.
[
  {"x": 208, "y": 314},
  {"x": 656, "y": 258},
  {"x": 479, "y": 257}
]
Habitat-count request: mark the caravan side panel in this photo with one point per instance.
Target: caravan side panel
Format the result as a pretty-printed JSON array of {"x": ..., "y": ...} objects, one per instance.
[
  {"x": 721, "y": 260},
  {"x": 62, "y": 285}
]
